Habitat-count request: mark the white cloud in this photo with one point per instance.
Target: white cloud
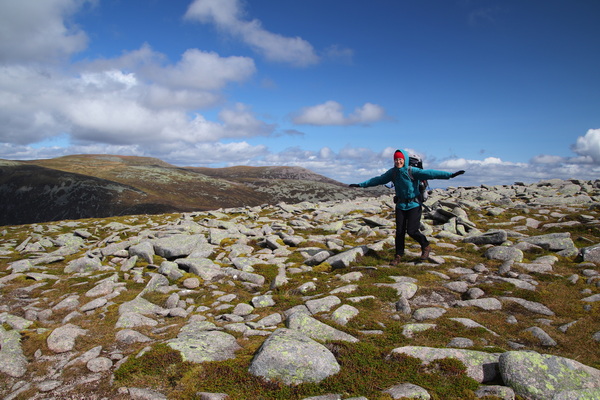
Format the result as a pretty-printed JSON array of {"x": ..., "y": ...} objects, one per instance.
[
  {"x": 106, "y": 104},
  {"x": 589, "y": 145},
  {"x": 332, "y": 113},
  {"x": 547, "y": 159},
  {"x": 35, "y": 31},
  {"x": 227, "y": 15},
  {"x": 204, "y": 71}
]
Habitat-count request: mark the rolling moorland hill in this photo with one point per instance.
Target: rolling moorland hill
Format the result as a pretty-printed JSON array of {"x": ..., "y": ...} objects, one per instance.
[{"x": 88, "y": 186}]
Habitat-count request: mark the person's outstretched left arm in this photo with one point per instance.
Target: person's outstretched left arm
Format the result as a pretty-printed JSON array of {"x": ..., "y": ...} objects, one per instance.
[{"x": 427, "y": 174}]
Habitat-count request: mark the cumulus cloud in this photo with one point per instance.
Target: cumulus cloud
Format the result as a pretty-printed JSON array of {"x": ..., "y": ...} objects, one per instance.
[
  {"x": 36, "y": 31},
  {"x": 103, "y": 103},
  {"x": 589, "y": 145},
  {"x": 227, "y": 15},
  {"x": 332, "y": 113}
]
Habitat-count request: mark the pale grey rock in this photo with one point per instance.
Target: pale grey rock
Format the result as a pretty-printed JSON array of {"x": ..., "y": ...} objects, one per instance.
[
  {"x": 270, "y": 320},
  {"x": 469, "y": 323},
  {"x": 212, "y": 396},
  {"x": 20, "y": 266},
  {"x": 483, "y": 367},
  {"x": 141, "y": 306},
  {"x": 488, "y": 303},
  {"x": 196, "y": 344},
  {"x": 592, "y": 299},
  {"x": 543, "y": 337},
  {"x": 15, "y": 322},
  {"x": 461, "y": 343},
  {"x": 99, "y": 364},
  {"x": 94, "y": 304},
  {"x": 322, "y": 305},
  {"x": 12, "y": 360},
  {"x": 407, "y": 391},
  {"x": 503, "y": 392},
  {"x": 519, "y": 283},
  {"x": 540, "y": 376},
  {"x": 62, "y": 339},
  {"x": 129, "y": 264},
  {"x": 84, "y": 264},
  {"x": 243, "y": 309},
  {"x": 143, "y": 251},
  {"x": 475, "y": 293},
  {"x": 101, "y": 289},
  {"x": 293, "y": 358},
  {"x": 145, "y": 394},
  {"x": 307, "y": 287},
  {"x": 263, "y": 301},
  {"x": 179, "y": 245},
  {"x": 591, "y": 253},
  {"x": 344, "y": 314},
  {"x": 457, "y": 286},
  {"x": 426, "y": 313},
  {"x": 191, "y": 283},
  {"x": 48, "y": 385},
  {"x": 552, "y": 241},
  {"x": 504, "y": 253},
  {"x": 318, "y": 258},
  {"x": 246, "y": 263},
  {"x": 404, "y": 289},
  {"x": 403, "y": 306},
  {"x": 316, "y": 329},
  {"x": 236, "y": 274},
  {"x": 493, "y": 237},
  {"x": 344, "y": 259},
  {"x": 530, "y": 305},
  {"x": 129, "y": 336},
  {"x": 351, "y": 276},
  {"x": 134, "y": 320},
  {"x": 581, "y": 394},
  {"x": 409, "y": 330}
]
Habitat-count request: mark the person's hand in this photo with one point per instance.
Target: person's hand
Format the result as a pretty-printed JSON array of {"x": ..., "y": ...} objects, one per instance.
[
  {"x": 353, "y": 185},
  {"x": 457, "y": 173}
]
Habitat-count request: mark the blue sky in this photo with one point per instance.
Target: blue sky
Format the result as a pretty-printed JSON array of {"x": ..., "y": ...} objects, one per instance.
[{"x": 506, "y": 89}]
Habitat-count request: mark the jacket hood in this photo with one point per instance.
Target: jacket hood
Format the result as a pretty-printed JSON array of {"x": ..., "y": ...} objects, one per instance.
[{"x": 406, "y": 158}]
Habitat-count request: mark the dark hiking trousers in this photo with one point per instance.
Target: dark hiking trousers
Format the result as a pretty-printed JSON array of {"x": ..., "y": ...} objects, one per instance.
[{"x": 409, "y": 221}]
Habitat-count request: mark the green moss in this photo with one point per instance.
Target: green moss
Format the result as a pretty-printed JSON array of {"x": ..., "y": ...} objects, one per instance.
[{"x": 160, "y": 361}]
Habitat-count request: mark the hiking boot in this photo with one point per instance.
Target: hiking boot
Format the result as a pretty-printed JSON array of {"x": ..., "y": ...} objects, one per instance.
[
  {"x": 425, "y": 253},
  {"x": 397, "y": 260}
]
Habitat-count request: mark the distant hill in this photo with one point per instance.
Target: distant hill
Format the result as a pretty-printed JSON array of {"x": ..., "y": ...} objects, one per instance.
[{"x": 87, "y": 186}]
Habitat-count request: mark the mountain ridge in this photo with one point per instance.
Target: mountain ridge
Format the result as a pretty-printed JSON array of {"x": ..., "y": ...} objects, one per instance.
[{"x": 104, "y": 185}]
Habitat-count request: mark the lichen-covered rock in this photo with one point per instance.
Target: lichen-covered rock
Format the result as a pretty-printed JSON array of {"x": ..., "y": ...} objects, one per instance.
[
  {"x": 316, "y": 329},
  {"x": 12, "y": 360},
  {"x": 591, "y": 253},
  {"x": 504, "y": 253},
  {"x": 198, "y": 343},
  {"x": 407, "y": 391},
  {"x": 552, "y": 241},
  {"x": 541, "y": 376},
  {"x": 62, "y": 339},
  {"x": 291, "y": 357},
  {"x": 483, "y": 367}
]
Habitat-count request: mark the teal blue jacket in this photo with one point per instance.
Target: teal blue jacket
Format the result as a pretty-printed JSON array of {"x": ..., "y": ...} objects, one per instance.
[{"x": 407, "y": 189}]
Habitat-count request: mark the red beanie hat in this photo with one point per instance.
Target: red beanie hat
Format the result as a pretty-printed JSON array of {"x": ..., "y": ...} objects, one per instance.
[{"x": 398, "y": 154}]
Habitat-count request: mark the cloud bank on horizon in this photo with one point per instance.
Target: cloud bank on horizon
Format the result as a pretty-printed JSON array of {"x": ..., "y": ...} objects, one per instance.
[{"x": 228, "y": 82}]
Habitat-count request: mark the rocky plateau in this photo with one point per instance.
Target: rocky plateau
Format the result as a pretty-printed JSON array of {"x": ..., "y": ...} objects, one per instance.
[{"x": 278, "y": 300}]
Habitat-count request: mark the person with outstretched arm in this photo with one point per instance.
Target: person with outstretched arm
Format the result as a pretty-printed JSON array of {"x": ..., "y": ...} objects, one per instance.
[{"x": 408, "y": 208}]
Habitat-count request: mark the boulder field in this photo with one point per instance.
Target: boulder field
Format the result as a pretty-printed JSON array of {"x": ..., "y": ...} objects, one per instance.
[{"x": 511, "y": 290}]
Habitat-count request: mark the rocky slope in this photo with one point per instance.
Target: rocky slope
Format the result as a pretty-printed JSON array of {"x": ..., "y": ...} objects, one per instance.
[
  {"x": 299, "y": 301},
  {"x": 88, "y": 186}
]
